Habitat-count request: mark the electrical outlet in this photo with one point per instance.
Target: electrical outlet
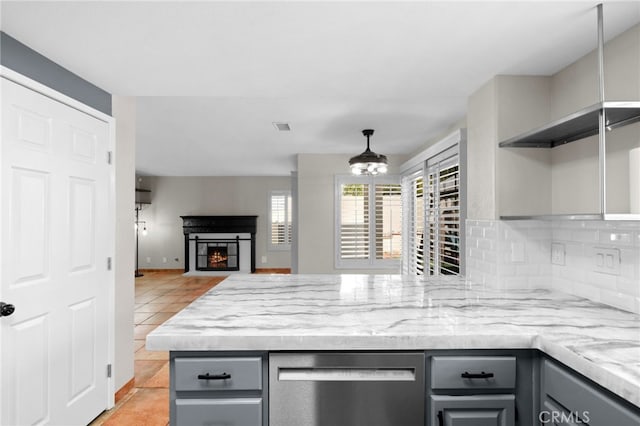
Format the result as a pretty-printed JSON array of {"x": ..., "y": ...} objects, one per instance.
[
  {"x": 558, "y": 254},
  {"x": 148, "y": 260},
  {"x": 264, "y": 259},
  {"x": 606, "y": 260},
  {"x": 164, "y": 260}
]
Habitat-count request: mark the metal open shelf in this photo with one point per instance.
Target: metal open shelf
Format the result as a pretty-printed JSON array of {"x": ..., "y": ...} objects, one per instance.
[{"x": 576, "y": 126}]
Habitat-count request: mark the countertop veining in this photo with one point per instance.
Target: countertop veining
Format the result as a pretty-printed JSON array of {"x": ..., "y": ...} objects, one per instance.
[{"x": 394, "y": 312}]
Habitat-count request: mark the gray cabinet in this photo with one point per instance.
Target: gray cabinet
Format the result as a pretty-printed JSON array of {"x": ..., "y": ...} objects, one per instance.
[
  {"x": 473, "y": 410},
  {"x": 568, "y": 398},
  {"x": 227, "y": 411},
  {"x": 472, "y": 390},
  {"x": 463, "y": 388},
  {"x": 218, "y": 388}
]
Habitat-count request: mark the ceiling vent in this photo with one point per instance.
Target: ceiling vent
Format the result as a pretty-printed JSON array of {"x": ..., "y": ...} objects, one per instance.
[{"x": 283, "y": 127}]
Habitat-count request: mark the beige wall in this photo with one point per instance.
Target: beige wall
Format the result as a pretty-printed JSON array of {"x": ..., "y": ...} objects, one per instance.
[
  {"x": 575, "y": 165},
  {"x": 124, "y": 112},
  {"x": 172, "y": 197},
  {"x": 564, "y": 179},
  {"x": 523, "y": 178},
  {"x": 481, "y": 153},
  {"x": 316, "y": 211}
]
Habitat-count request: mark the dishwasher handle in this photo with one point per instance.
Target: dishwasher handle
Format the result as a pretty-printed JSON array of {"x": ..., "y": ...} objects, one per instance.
[{"x": 349, "y": 374}]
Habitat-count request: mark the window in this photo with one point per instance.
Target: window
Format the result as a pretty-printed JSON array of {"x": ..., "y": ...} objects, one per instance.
[
  {"x": 280, "y": 220},
  {"x": 433, "y": 221},
  {"x": 369, "y": 222}
]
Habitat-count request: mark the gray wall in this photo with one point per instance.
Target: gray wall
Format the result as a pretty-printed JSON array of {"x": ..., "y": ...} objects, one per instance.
[
  {"x": 172, "y": 197},
  {"x": 28, "y": 62}
]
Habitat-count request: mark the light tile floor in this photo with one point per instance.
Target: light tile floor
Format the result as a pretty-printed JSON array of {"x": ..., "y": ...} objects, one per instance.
[{"x": 158, "y": 296}]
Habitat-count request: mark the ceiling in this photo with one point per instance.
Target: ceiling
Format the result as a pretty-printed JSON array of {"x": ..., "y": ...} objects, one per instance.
[{"x": 211, "y": 77}]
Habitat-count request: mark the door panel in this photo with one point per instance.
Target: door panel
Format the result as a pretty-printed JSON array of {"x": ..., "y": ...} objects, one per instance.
[
  {"x": 81, "y": 224},
  {"x": 83, "y": 348},
  {"x": 55, "y": 174},
  {"x": 31, "y": 361},
  {"x": 30, "y": 225}
]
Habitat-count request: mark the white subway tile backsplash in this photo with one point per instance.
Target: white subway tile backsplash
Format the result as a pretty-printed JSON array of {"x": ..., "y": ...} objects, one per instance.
[
  {"x": 517, "y": 254},
  {"x": 616, "y": 238},
  {"x": 527, "y": 270},
  {"x": 587, "y": 291},
  {"x": 603, "y": 281},
  {"x": 490, "y": 233},
  {"x": 629, "y": 286},
  {"x": 476, "y": 253},
  {"x": 585, "y": 236},
  {"x": 485, "y": 244}
]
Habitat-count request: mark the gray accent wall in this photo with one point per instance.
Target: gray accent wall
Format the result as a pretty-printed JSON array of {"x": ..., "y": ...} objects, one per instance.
[
  {"x": 26, "y": 61},
  {"x": 175, "y": 196}
]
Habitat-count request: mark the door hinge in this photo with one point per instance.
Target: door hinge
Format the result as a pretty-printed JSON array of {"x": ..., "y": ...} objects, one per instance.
[
  {"x": 108, "y": 263},
  {"x": 109, "y": 157},
  {"x": 109, "y": 370}
]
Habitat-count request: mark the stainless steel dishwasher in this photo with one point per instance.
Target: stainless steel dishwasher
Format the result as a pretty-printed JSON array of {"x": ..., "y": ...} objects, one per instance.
[{"x": 347, "y": 389}]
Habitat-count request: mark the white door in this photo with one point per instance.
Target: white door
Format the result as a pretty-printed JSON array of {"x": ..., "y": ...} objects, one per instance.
[{"x": 54, "y": 190}]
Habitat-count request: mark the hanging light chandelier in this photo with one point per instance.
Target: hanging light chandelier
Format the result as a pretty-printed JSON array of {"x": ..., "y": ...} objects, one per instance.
[{"x": 368, "y": 163}]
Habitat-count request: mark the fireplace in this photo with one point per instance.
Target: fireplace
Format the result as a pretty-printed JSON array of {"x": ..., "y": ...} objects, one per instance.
[
  {"x": 217, "y": 255},
  {"x": 219, "y": 244}
]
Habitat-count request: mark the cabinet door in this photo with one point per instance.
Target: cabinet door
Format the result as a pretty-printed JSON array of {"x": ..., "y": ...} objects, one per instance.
[
  {"x": 584, "y": 400},
  {"x": 223, "y": 412},
  {"x": 553, "y": 414},
  {"x": 473, "y": 410}
]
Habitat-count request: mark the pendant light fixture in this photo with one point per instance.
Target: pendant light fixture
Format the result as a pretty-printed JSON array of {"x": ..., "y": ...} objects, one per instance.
[{"x": 368, "y": 163}]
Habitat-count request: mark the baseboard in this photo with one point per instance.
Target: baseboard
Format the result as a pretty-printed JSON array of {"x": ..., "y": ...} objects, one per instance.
[
  {"x": 258, "y": 270},
  {"x": 273, "y": 270},
  {"x": 125, "y": 389},
  {"x": 162, "y": 270}
]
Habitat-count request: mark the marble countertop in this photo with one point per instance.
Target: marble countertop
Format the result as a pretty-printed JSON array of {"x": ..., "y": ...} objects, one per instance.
[{"x": 393, "y": 312}]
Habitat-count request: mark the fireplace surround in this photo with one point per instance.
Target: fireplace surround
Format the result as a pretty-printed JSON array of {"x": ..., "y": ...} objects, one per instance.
[{"x": 220, "y": 252}]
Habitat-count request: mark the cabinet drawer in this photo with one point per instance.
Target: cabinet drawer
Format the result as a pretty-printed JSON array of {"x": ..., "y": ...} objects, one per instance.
[
  {"x": 227, "y": 412},
  {"x": 194, "y": 374},
  {"x": 579, "y": 396},
  {"x": 473, "y": 410},
  {"x": 473, "y": 372}
]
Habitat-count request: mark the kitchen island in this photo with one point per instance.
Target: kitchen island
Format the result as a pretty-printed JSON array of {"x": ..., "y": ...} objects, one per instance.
[{"x": 273, "y": 313}]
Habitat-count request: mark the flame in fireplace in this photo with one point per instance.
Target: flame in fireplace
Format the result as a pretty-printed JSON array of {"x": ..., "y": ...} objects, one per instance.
[{"x": 217, "y": 259}]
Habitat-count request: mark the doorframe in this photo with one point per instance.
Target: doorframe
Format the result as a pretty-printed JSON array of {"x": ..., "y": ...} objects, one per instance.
[{"x": 111, "y": 210}]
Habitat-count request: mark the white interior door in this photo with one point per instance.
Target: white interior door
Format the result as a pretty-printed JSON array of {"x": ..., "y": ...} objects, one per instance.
[{"x": 55, "y": 243}]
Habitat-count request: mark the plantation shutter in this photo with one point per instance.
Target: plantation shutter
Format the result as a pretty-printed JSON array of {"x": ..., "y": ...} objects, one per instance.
[
  {"x": 354, "y": 221},
  {"x": 289, "y": 222},
  {"x": 388, "y": 221},
  {"x": 281, "y": 226},
  {"x": 413, "y": 190},
  {"x": 443, "y": 213}
]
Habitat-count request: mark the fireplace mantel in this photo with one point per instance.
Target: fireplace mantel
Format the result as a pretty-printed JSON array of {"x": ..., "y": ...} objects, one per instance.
[{"x": 219, "y": 225}]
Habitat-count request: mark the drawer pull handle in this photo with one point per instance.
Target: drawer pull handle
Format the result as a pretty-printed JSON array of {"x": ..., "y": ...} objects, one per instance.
[
  {"x": 482, "y": 375},
  {"x": 223, "y": 376}
]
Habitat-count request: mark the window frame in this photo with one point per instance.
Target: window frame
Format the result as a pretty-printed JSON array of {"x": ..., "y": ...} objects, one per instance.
[
  {"x": 288, "y": 231},
  {"x": 371, "y": 262}
]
